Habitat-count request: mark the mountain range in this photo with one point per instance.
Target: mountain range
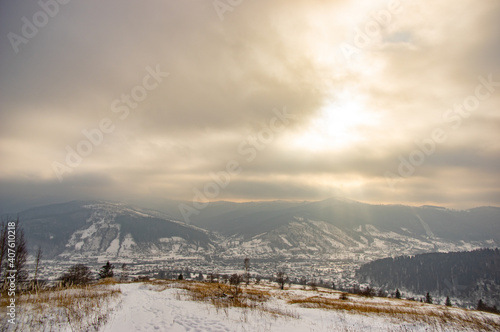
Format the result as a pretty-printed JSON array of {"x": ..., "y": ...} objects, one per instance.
[{"x": 328, "y": 229}]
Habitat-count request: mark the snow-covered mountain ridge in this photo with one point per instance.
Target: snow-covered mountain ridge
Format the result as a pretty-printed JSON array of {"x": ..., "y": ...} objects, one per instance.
[{"x": 329, "y": 229}]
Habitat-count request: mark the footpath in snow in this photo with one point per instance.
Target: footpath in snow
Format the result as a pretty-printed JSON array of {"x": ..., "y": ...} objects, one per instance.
[{"x": 145, "y": 307}]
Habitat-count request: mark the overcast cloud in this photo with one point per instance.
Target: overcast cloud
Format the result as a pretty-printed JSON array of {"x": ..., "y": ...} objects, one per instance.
[{"x": 354, "y": 114}]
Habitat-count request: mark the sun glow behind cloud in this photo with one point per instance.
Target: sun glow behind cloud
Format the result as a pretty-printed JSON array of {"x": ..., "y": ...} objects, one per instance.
[{"x": 338, "y": 125}]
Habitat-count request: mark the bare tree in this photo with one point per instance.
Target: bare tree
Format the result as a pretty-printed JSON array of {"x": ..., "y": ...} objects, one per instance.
[
  {"x": 13, "y": 252},
  {"x": 124, "y": 274},
  {"x": 16, "y": 252},
  {"x": 3, "y": 246},
  {"x": 77, "y": 274},
  {"x": 281, "y": 279},
  {"x": 313, "y": 284},
  {"x": 235, "y": 281},
  {"x": 303, "y": 282},
  {"x": 257, "y": 280},
  {"x": 381, "y": 293},
  {"x": 38, "y": 258}
]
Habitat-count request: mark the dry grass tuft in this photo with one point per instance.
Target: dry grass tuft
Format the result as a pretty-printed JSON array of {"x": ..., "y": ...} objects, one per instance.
[
  {"x": 222, "y": 297},
  {"x": 107, "y": 281},
  {"x": 83, "y": 308},
  {"x": 435, "y": 316}
]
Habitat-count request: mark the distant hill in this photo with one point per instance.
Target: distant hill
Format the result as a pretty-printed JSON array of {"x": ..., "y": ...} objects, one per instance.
[
  {"x": 92, "y": 228},
  {"x": 469, "y": 275},
  {"x": 324, "y": 230},
  {"x": 250, "y": 219}
]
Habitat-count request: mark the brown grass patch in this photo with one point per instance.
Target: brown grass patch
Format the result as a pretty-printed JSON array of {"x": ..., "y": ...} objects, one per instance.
[
  {"x": 83, "y": 308},
  {"x": 435, "y": 316},
  {"x": 222, "y": 297}
]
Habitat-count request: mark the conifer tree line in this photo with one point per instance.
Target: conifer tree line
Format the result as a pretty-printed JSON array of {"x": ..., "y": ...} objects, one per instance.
[{"x": 468, "y": 275}]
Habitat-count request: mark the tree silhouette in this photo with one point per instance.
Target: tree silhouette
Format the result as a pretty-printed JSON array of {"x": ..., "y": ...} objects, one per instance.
[
  {"x": 428, "y": 298},
  {"x": 246, "y": 264},
  {"x": 106, "y": 271},
  {"x": 281, "y": 279},
  {"x": 38, "y": 258},
  {"x": 235, "y": 281},
  {"x": 77, "y": 274}
]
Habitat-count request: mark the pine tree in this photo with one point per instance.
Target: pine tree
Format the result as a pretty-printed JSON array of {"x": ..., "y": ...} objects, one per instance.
[
  {"x": 448, "y": 302},
  {"x": 106, "y": 271},
  {"x": 428, "y": 298}
]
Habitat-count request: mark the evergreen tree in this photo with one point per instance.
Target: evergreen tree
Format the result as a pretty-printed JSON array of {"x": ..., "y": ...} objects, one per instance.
[
  {"x": 106, "y": 271},
  {"x": 428, "y": 298},
  {"x": 448, "y": 302},
  {"x": 398, "y": 294}
]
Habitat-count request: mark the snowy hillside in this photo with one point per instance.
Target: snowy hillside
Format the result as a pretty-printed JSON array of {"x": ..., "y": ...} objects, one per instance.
[
  {"x": 165, "y": 307},
  {"x": 99, "y": 228}
]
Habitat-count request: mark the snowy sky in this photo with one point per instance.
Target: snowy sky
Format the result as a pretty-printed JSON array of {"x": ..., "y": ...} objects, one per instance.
[{"x": 368, "y": 97}]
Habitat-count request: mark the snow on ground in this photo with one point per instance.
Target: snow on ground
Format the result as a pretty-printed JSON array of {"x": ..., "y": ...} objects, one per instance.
[{"x": 145, "y": 307}]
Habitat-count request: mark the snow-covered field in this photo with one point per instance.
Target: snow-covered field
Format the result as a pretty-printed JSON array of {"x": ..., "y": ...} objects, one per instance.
[
  {"x": 196, "y": 306},
  {"x": 153, "y": 307}
]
